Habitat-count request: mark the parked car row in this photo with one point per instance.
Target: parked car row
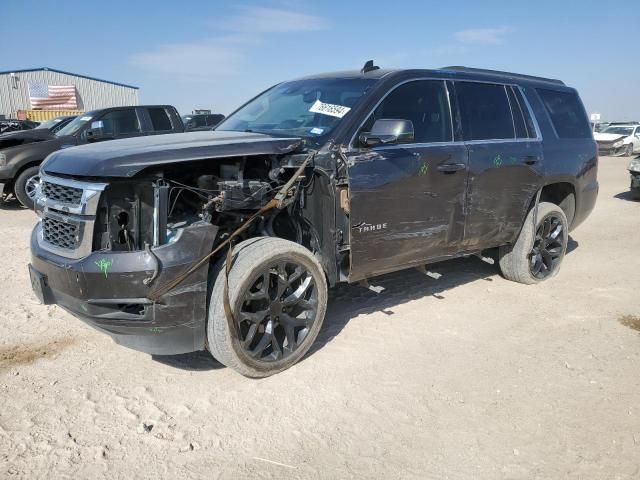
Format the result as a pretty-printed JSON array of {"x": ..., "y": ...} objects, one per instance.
[{"x": 228, "y": 240}]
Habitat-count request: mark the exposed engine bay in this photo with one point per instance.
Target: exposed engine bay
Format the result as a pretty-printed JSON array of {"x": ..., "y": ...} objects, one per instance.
[{"x": 155, "y": 206}]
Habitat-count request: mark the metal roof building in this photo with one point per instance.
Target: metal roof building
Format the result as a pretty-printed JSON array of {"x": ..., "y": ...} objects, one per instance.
[{"x": 91, "y": 93}]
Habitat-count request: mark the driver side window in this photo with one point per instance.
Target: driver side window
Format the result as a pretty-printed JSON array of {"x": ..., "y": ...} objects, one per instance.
[{"x": 424, "y": 103}]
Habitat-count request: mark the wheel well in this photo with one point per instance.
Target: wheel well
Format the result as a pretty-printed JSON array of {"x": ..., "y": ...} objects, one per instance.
[
  {"x": 25, "y": 166},
  {"x": 561, "y": 194},
  {"x": 12, "y": 182}
]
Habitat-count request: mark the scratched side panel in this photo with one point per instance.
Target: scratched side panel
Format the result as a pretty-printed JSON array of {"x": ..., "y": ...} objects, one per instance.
[
  {"x": 500, "y": 188},
  {"x": 402, "y": 208}
]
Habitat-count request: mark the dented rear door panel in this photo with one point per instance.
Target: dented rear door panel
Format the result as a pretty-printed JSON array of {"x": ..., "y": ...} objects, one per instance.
[{"x": 504, "y": 176}]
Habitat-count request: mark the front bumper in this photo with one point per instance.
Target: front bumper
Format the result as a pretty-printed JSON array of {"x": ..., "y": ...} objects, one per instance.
[
  {"x": 7, "y": 173},
  {"x": 610, "y": 151},
  {"x": 107, "y": 290}
]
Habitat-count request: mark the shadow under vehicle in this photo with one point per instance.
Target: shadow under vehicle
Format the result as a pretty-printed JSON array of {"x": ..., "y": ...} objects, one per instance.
[{"x": 229, "y": 240}]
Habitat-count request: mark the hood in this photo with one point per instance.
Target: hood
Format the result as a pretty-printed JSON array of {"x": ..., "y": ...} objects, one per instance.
[
  {"x": 125, "y": 158},
  {"x": 13, "y": 139},
  {"x": 608, "y": 137}
]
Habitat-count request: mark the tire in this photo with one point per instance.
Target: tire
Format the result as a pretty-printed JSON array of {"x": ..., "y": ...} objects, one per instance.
[
  {"x": 628, "y": 151},
  {"x": 258, "y": 262},
  {"x": 519, "y": 262},
  {"x": 24, "y": 184},
  {"x": 635, "y": 193}
]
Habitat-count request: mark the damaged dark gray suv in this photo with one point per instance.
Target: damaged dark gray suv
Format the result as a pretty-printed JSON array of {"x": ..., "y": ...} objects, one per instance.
[{"x": 228, "y": 240}]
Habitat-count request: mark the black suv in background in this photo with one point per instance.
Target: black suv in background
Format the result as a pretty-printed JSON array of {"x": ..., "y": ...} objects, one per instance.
[
  {"x": 201, "y": 121},
  {"x": 20, "y": 156},
  {"x": 13, "y": 125},
  {"x": 326, "y": 179}
]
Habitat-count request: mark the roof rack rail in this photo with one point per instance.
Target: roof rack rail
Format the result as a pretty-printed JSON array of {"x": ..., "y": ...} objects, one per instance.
[{"x": 506, "y": 74}]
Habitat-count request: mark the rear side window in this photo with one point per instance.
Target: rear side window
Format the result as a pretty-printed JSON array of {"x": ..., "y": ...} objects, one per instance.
[
  {"x": 485, "y": 111},
  {"x": 566, "y": 112},
  {"x": 424, "y": 103},
  {"x": 159, "y": 119},
  {"x": 518, "y": 116}
]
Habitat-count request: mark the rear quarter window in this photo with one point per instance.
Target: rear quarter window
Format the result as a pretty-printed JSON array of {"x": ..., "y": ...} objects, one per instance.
[{"x": 566, "y": 112}]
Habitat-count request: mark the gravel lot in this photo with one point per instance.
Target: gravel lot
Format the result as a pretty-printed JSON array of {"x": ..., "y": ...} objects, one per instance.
[{"x": 468, "y": 376}]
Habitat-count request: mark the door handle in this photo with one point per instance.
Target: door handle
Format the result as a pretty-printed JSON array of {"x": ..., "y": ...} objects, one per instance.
[
  {"x": 531, "y": 160},
  {"x": 451, "y": 167}
]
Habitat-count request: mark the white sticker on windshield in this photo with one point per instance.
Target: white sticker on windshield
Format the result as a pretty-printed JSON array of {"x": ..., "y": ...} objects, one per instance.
[
  {"x": 316, "y": 131},
  {"x": 329, "y": 109},
  {"x": 85, "y": 119}
]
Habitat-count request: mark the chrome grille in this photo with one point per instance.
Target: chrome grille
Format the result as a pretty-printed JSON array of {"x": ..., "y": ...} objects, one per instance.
[
  {"x": 62, "y": 193},
  {"x": 68, "y": 211},
  {"x": 61, "y": 234}
]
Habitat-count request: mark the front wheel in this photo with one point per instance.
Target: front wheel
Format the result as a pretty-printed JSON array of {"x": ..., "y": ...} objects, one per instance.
[
  {"x": 278, "y": 297},
  {"x": 628, "y": 152},
  {"x": 25, "y": 186},
  {"x": 538, "y": 252}
]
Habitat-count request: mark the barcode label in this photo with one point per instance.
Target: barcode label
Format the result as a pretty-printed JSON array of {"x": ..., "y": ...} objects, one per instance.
[{"x": 329, "y": 109}]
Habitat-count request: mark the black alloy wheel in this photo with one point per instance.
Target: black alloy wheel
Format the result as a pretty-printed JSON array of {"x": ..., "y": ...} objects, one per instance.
[
  {"x": 277, "y": 311},
  {"x": 548, "y": 247}
]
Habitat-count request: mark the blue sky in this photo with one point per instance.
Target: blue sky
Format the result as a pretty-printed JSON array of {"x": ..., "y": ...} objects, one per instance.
[{"x": 216, "y": 54}]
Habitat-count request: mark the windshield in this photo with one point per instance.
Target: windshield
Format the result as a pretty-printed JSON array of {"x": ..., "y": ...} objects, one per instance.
[
  {"x": 75, "y": 125},
  {"x": 619, "y": 130},
  {"x": 49, "y": 123},
  {"x": 302, "y": 108}
]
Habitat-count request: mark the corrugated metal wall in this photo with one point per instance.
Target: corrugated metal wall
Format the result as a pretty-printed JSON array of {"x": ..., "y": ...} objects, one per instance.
[{"x": 92, "y": 94}]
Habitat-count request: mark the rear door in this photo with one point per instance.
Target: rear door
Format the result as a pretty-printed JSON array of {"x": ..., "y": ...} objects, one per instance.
[
  {"x": 505, "y": 161},
  {"x": 406, "y": 200}
]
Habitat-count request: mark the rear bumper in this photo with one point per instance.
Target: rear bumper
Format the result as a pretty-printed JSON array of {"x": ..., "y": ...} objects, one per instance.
[
  {"x": 107, "y": 290},
  {"x": 585, "y": 202}
]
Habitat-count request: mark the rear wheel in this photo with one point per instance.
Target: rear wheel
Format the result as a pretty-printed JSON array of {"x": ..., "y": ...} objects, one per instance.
[
  {"x": 278, "y": 296},
  {"x": 26, "y": 184},
  {"x": 538, "y": 252}
]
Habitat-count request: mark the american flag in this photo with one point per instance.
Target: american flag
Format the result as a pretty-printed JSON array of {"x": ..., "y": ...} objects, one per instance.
[{"x": 52, "y": 97}]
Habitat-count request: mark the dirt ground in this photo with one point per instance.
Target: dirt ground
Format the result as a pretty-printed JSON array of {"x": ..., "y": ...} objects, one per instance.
[{"x": 468, "y": 376}]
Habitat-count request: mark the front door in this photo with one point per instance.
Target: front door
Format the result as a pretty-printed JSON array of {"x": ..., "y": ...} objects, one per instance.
[{"x": 406, "y": 200}]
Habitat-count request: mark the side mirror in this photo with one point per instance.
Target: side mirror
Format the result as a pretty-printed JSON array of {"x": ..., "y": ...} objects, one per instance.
[
  {"x": 97, "y": 132},
  {"x": 388, "y": 131}
]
